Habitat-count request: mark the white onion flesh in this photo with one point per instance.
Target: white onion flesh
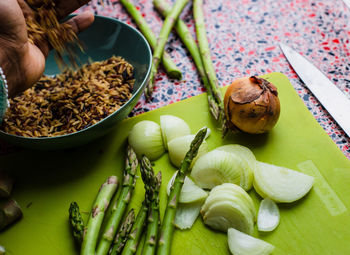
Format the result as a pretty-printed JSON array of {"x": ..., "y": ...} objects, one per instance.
[
  {"x": 179, "y": 146},
  {"x": 281, "y": 184},
  {"x": 268, "y": 215},
  {"x": 190, "y": 192},
  {"x": 228, "y": 205},
  {"x": 217, "y": 167},
  {"x": 228, "y": 190},
  {"x": 173, "y": 127},
  {"x": 186, "y": 214},
  {"x": 146, "y": 139},
  {"x": 242, "y": 244},
  {"x": 226, "y": 214}
]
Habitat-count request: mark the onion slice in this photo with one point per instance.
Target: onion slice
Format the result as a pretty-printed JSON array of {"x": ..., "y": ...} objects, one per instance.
[
  {"x": 281, "y": 184},
  {"x": 217, "y": 167},
  {"x": 146, "y": 139},
  {"x": 190, "y": 192},
  {"x": 186, "y": 214},
  {"x": 179, "y": 146},
  {"x": 268, "y": 215},
  {"x": 173, "y": 127},
  {"x": 240, "y": 243}
]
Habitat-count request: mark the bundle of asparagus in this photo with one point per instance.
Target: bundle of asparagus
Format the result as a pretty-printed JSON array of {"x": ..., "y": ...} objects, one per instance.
[{"x": 201, "y": 55}]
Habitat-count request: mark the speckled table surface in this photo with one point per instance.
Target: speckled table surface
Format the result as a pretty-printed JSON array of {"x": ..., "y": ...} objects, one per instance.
[{"x": 244, "y": 37}]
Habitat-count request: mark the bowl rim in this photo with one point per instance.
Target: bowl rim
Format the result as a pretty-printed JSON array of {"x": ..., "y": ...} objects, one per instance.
[{"x": 135, "y": 94}]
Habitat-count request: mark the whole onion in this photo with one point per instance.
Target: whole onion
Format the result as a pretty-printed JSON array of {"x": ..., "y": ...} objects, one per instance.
[{"x": 251, "y": 105}]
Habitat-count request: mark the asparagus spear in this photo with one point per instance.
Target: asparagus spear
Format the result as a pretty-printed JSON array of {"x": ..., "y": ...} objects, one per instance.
[
  {"x": 151, "y": 186},
  {"x": 121, "y": 204},
  {"x": 10, "y": 211},
  {"x": 153, "y": 214},
  {"x": 76, "y": 222},
  {"x": 136, "y": 231},
  {"x": 206, "y": 58},
  {"x": 123, "y": 233},
  {"x": 162, "y": 39},
  {"x": 97, "y": 214},
  {"x": 169, "y": 66},
  {"x": 167, "y": 228},
  {"x": 164, "y": 9}
]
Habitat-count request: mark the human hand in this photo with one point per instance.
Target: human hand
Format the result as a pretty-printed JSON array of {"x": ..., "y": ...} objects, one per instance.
[{"x": 23, "y": 62}]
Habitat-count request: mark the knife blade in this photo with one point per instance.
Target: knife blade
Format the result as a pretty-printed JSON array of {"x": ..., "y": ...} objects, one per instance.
[
  {"x": 331, "y": 97},
  {"x": 347, "y": 2}
]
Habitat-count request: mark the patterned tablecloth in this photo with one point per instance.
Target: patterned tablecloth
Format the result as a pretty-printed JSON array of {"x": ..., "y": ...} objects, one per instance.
[{"x": 244, "y": 37}]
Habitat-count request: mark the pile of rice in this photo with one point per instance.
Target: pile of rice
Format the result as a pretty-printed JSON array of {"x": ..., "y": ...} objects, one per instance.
[{"x": 71, "y": 101}]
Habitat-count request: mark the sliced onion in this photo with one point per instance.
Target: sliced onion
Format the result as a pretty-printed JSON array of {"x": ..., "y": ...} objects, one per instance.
[
  {"x": 146, "y": 139},
  {"x": 173, "y": 127},
  {"x": 227, "y": 214},
  {"x": 242, "y": 244},
  {"x": 281, "y": 184},
  {"x": 217, "y": 167},
  {"x": 186, "y": 214},
  {"x": 190, "y": 192},
  {"x": 228, "y": 190},
  {"x": 179, "y": 146},
  {"x": 241, "y": 151},
  {"x": 268, "y": 215}
]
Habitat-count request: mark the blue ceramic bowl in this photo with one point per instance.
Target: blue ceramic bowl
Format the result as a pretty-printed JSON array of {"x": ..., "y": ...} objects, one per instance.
[{"x": 106, "y": 37}]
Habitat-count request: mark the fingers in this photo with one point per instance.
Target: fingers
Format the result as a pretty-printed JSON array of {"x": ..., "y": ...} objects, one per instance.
[
  {"x": 66, "y": 7},
  {"x": 82, "y": 21}
]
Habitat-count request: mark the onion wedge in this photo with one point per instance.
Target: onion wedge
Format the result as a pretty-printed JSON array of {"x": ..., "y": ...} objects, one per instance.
[
  {"x": 190, "y": 192},
  {"x": 186, "y": 214},
  {"x": 173, "y": 127},
  {"x": 268, "y": 215},
  {"x": 179, "y": 146},
  {"x": 281, "y": 184},
  {"x": 146, "y": 139},
  {"x": 242, "y": 244},
  {"x": 217, "y": 167},
  {"x": 227, "y": 214}
]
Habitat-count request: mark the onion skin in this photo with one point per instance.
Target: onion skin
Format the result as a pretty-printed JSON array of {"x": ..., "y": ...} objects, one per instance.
[{"x": 251, "y": 105}]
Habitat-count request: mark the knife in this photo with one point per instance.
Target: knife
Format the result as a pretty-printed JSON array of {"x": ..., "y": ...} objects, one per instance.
[
  {"x": 347, "y": 2},
  {"x": 332, "y": 98}
]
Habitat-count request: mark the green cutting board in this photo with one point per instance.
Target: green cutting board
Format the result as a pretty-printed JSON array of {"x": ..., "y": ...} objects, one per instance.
[{"x": 317, "y": 224}]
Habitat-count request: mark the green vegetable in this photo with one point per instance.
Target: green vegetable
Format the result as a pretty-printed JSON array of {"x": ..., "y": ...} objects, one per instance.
[
  {"x": 207, "y": 62},
  {"x": 98, "y": 210},
  {"x": 162, "y": 39},
  {"x": 123, "y": 233},
  {"x": 121, "y": 204},
  {"x": 76, "y": 222},
  {"x": 169, "y": 66},
  {"x": 281, "y": 184},
  {"x": 151, "y": 184},
  {"x": 167, "y": 228},
  {"x": 242, "y": 244},
  {"x": 190, "y": 43},
  {"x": 153, "y": 219}
]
